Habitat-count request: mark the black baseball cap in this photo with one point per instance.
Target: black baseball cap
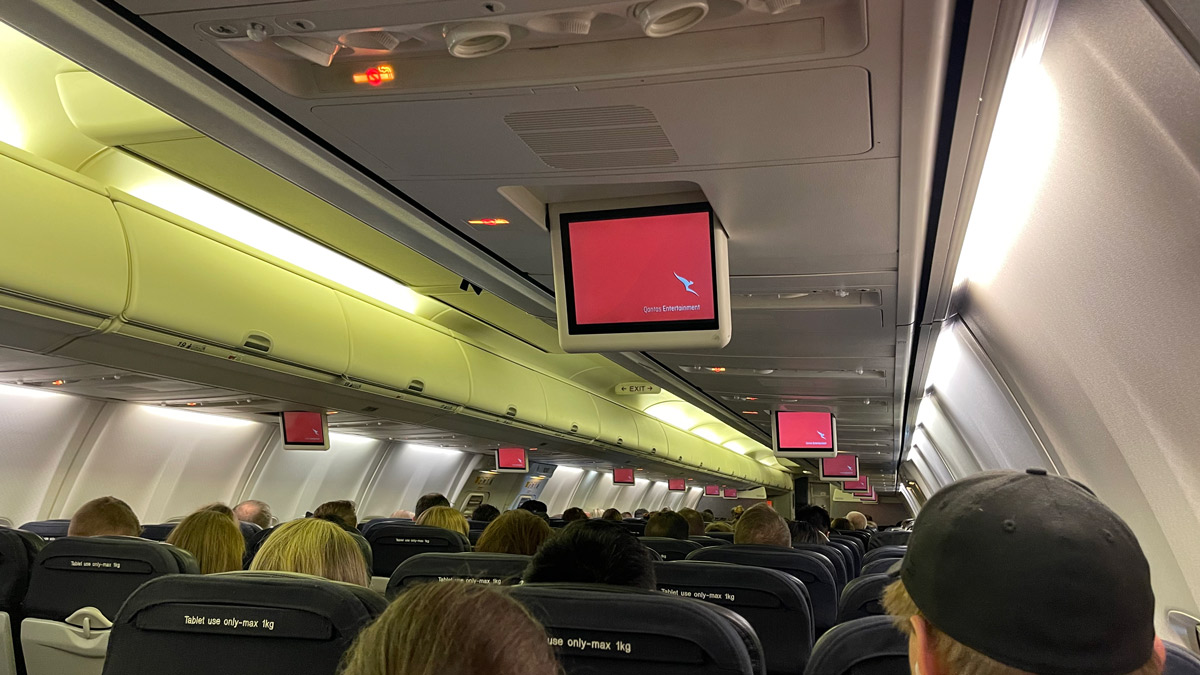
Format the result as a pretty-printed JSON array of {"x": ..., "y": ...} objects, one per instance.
[{"x": 1033, "y": 571}]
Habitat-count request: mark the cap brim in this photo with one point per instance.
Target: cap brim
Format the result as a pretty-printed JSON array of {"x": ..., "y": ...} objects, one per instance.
[{"x": 894, "y": 570}]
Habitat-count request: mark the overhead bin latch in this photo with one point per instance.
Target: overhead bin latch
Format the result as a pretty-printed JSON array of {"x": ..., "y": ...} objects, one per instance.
[{"x": 259, "y": 342}]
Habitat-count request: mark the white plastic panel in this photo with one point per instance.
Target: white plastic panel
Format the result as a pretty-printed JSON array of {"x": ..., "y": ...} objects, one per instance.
[
  {"x": 296, "y": 481},
  {"x": 40, "y": 429},
  {"x": 192, "y": 285},
  {"x": 570, "y": 409},
  {"x": 656, "y": 496},
  {"x": 499, "y": 386},
  {"x": 561, "y": 489},
  {"x": 391, "y": 350},
  {"x": 409, "y": 471},
  {"x": 631, "y": 497},
  {"x": 162, "y": 462}
]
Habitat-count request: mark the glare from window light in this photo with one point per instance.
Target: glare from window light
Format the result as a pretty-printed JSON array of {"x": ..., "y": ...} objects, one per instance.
[
  {"x": 673, "y": 413},
  {"x": 740, "y": 447},
  {"x": 707, "y": 434},
  {"x": 233, "y": 221},
  {"x": 947, "y": 354},
  {"x": 431, "y": 450},
  {"x": 567, "y": 471},
  {"x": 338, "y": 437},
  {"x": 12, "y": 131},
  {"x": 28, "y": 391},
  {"x": 188, "y": 416}
]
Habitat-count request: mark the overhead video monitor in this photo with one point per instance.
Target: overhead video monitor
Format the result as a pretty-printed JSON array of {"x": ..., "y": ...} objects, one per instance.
[
  {"x": 623, "y": 477},
  {"x": 861, "y": 485},
  {"x": 867, "y": 495},
  {"x": 843, "y": 468},
  {"x": 511, "y": 460},
  {"x": 677, "y": 485},
  {"x": 804, "y": 435},
  {"x": 729, "y": 493},
  {"x": 634, "y": 276},
  {"x": 304, "y": 430},
  {"x": 712, "y": 490}
]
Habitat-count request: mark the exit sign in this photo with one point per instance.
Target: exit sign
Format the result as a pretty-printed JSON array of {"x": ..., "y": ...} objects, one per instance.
[{"x": 638, "y": 388}]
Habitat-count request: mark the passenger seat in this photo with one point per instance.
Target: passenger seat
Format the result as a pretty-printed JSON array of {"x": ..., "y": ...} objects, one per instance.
[
  {"x": 76, "y": 587},
  {"x": 18, "y": 549},
  {"x": 670, "y": 549},
  {"x": 889, "y": 538},
  {"x": 239, "y": 623},
  {"x": 610, "y": 630},
  {"x": 895, "y": 552},
  {"x": 870, "y": 646},
  {"x": 863, "y": 597},
  {"x": 393, "y": 543},
  {"x": 49, "y": 530},
  {"x": 1180, "y": 661},
  {"x": 493, "y": 569},
  {"x": 704, "y": 540}
]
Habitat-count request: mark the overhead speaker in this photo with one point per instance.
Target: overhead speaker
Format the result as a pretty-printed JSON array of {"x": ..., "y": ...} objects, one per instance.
[
  {"x": 773, "y": 6},
  {"x": 571, "y": 23},
  {"x": 371, "y": 40},
  {"x": 661, "y": 18},
  {"x": 314, "y": 49},
  {"x": 477, "y": 38}
]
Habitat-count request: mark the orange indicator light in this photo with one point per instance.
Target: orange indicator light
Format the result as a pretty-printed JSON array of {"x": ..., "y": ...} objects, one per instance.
[
  {"x": 488, "y": 221},
  {"x": 58, "y": 383},
  {"x": 375, "y": 75}
]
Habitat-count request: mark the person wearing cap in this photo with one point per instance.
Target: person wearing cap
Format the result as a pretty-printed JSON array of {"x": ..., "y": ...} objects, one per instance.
[{"x": 1011, "y": 573}]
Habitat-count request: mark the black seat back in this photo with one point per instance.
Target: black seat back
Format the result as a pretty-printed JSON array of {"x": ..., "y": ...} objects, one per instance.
[
  {"x": 602, "y": 630},
  {"x": 814, "y": 571},
  {"x": 636, "y": 527},
  {"x": 896, "y": 552},
  {"x": 862, "y": 597},
  {"x": 101, "y": 572},
  {"x": 363, "y": 527},
  {"x": 18, "y": 550},
  {"x": 495, "y": 569},
  {"x": 158, "y": 532},
  {"x": 840, "y": 573},
  {"x": 889, "y": 538},
  {"x": 1180, "y": 661},
  {"x": 852, "y": 542},
  {"x": 670, "y": 549},
  {"x": 393, "y": 543},
  {"x": 723, "y": 536},
  {"x": 239, "y": 623},
  {"x": 880, "y": 566},
  {"x": 869, "y": 646},
  {"x": 49, "y": 530},
  {"x": 850, "y": 556},
  {"x": 708, "y": 541},
  {"x": 862, "y": 536},
  {"x": 476, "y": 531},
  {"x": 775, "y": 604}
]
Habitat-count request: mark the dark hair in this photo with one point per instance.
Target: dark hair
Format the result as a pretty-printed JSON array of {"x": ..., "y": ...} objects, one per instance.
[
  {"x": 612, "y": 514},
  {"x": 840, "y": 524},
  {"x": 667, "y": 524},
  {"x": 593, "y": 552},
  {"x": 708, "y": 515},
  {"x": 485, "y": 513},
  {"x": 814, "y": 515},
  {"x": 804, "y": 533},
  {"x": 534, "y": 506},
  {"x": 574, "y": 513},
  {"x": 641, "y": 513},
  {"x": 694, "y": 520},
  {"x": 340, "y": 512},
  {"x": 429, "y": 501}
]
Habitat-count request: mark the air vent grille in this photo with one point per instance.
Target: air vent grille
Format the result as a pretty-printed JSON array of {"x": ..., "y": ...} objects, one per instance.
[{"x": 607, "y": 137}]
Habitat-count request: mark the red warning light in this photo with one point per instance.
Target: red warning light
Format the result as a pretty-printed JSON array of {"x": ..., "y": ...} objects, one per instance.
[
  {"x": 717, "y": 369},
  {"x": 488, "y": 221},
  {"x": 375, "y": 75},
  {"x": 58, "y": 383}
]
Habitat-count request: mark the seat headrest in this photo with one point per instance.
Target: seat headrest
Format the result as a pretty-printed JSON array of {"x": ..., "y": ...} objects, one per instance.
[
  {"x": 704, "y": 540},
  {"x": 18, "y": 549},
  {"x": 497, "y": 569},
  {"x": 863, "y": 597},
  {"x": 869, "y": 645},
  {"x": 101, "y": 572},
  {"x": 393, "y": 543},
  {"x": 815, "y": 571},
  {"x": 158, "y": 532},
  {"x": 48, "y": 529},
  {"x": 634, "y": 630},
  {"x": 282, "y": 623},
  {"x": 885, "y": 552},
  {"x": 1180, "y": 661},
  {"x": 670, "y": 549},
  {"x": 889, "y": 538}
]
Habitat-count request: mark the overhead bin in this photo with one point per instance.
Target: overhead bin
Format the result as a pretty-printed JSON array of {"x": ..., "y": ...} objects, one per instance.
[
  {"x": 194, "y": 285},
  {"x": 651, "y": 437},
  {"x": 570, "y": 409},
  {"x": 618, "y": 425},
  {"x": 396, "y": 352},
  {"x": 62, "y": 246},
  {"x": 504, "y": 388}
]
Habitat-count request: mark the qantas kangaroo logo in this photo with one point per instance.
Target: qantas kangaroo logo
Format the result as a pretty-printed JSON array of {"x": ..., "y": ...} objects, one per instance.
[
  {"x": 687, "y": 285},
  {"x": 821, "y": 434}
]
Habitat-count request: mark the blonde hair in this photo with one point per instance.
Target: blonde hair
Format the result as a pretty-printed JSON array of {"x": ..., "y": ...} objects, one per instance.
[
  {"x": 445, "y": 518},
  {"x": 518, "y": 532},
  {"x": 718, "y": 526},
  {"x": 956, "y": 657},
  {"x": 212, "y": 538},
  {"x": 313, "y": 546},
  {"x": 761, "y": 525},
  {"x": 452, "y": 628},
  {"x": 104, "y": 516}
]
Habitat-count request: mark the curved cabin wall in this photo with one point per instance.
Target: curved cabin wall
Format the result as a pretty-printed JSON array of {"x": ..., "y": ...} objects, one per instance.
[{"x": 131, "y": 268}]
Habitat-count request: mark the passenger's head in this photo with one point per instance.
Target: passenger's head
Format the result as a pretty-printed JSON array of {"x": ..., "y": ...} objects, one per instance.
[
  {"x": 708, "y": 515},
  {"x": 445, "y": 518},
  {"x": 341, "y": 512},
  {"x": 254, "y": 511},
  {"x": 517, "y": 531},
  {"x": 840, "y": 524},
  {"x": 694, "y": 520},
  {"x": 761, "y": 525},
  {"x": 452, "y": 628},
  {"x": 104, "y": 516},
  {"x": 667, "y": 524},
  {"x": 595, "y": 552},
  {"x": 429, "y": 501},
  {"x": 218, "y": 507},
  {"x": 641, "y": 514},
  {"x": 213, "y": 539},
  {"x": 485, "y": 513},
  {"x": 857, "y": 520},
  {"x": 403, "y": 514},
  {"x": 804, "y": 533},
  {"x": 573, "y": 514},
  {"x": 736, "y": 512},
  {"x": 534, "y": 506},
  {"x": 612, "y": 514},
  {"x": 718, "y": 526},
  {"x": 312, "y": 546},
  {"x": 1009, "y": 573},
  {"x": 814, "y": 515}
]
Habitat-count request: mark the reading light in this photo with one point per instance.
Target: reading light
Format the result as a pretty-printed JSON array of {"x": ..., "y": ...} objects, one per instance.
[
  {"x": 477, "y": 38},
  {"x": 661, "y": 18}
]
